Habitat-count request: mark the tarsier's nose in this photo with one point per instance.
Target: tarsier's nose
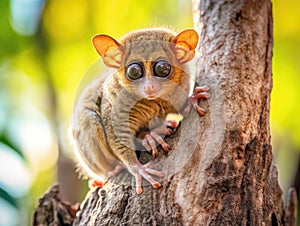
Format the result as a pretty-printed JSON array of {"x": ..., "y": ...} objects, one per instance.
[{"x": 151, "y": 87}]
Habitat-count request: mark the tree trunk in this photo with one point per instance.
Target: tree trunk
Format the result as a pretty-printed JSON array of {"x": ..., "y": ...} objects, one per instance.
[{"x": 224, "y": 175}]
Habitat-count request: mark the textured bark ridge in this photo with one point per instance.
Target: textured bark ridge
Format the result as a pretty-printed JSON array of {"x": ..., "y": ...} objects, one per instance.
[
  {"x": 228, "y": 176},
  {"x": 52, "y": 210}
]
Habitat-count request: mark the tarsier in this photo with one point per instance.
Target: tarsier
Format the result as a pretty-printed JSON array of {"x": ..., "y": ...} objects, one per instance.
[{"x": 150, "y": 81}]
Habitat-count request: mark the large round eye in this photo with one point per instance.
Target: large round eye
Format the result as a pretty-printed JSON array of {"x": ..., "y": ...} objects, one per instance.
[
  {"x": 134, "y": 71},
  {"x": 162, "y": 68}
]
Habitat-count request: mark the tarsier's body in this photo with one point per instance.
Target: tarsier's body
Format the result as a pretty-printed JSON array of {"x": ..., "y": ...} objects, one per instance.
[{"x": 149, "y": 83}]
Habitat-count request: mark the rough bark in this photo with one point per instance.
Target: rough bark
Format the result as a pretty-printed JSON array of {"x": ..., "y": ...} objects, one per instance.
[
  {"x": 227, "y": 177},
  {"x": 52, "y": 210}
]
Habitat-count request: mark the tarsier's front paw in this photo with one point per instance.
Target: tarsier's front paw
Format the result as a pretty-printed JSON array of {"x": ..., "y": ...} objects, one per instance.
[
  {"x": 169, "y": 127},
  {"x": 150, "y": 139},
  {"x": 200, "y": 92},
  {"x": 140, "y": 171}
]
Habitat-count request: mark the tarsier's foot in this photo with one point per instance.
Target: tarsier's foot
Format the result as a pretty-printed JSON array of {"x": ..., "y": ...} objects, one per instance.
[
  {"x": 140, "y": 171},
  {"x": 100, "y": 182},
  {"x": 118, "y": 168},
  {"x": 200, "y": 92}
]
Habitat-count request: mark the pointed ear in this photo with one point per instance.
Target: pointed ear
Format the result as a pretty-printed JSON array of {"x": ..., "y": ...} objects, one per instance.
[
  {"x": 109, "y": 49},
  {"x": 185, "y": 44}
]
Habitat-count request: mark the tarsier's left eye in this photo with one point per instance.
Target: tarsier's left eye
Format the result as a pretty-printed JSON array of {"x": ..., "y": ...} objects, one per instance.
[
  {"x": 162, "y": 68},
  {"x": 134, "y": 71}
]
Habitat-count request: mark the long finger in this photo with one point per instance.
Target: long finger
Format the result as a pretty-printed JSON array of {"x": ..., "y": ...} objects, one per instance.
[
  {"x": 138, "y": 183},
  {"x": 153, "y": 182},
  {"x": 154, "y": 172},
  {"x": 161, "y": 141},
  {"x": 201, "y": 89},
  {"x": 146, "y": 145},
  {"x": 200, "y": 110},
  {"x": 153, "y": 145},
  {"x": 202, "y": 95},
  {"x": 147, "y": 165}
]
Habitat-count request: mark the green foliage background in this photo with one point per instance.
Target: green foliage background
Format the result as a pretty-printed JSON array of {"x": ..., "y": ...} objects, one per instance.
[{"x": 41, "y": 72}]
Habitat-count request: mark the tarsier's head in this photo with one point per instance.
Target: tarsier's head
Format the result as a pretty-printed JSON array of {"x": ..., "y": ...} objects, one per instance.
[{"x": 152, "y": 61}]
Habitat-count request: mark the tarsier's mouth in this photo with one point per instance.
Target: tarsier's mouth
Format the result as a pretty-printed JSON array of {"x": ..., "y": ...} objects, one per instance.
[{"x": 151, "y": 96}]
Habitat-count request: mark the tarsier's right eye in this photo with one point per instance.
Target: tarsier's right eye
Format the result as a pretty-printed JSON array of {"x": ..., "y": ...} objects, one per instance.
[
  {"x": 162, "y": 68},
  {"x": 134, "y": 71}
]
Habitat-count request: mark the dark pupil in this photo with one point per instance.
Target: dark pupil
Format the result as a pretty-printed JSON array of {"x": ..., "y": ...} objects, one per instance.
[
  {"x": 134, "y": 71},
  {"x": 162, "y": 68}
]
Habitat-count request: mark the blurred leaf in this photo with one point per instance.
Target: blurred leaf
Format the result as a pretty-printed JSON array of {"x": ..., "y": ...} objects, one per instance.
[
  {"x": 287, "y": 18},
  {"x": 66, "y": 21},
  {"x": 5, "y": 140},
  {"x": 25, "y": 15},
  {"x": 8, "y": 198},
  {"x": 11, "y": 42}
]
